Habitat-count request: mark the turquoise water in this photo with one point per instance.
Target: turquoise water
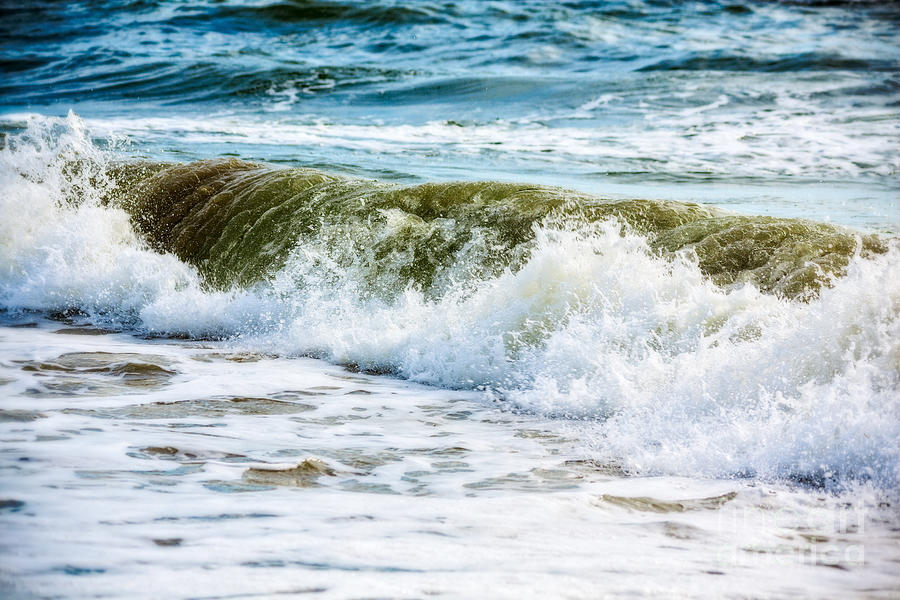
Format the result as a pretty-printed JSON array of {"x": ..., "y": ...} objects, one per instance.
[{"x": 780, "y": 108}]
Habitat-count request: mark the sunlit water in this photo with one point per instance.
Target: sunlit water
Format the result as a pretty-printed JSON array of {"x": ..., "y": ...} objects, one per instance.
[{"x": 597, "y": 420}]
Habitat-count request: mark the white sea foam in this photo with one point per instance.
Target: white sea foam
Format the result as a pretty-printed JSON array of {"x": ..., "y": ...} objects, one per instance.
[
  {"x": 682, "y": 376},
  {"x": 664, "y": 371},
  {"x": 121, "y": 502},
  {"x": 743, "y": 126},
  {"x": 789, "y": 141}
]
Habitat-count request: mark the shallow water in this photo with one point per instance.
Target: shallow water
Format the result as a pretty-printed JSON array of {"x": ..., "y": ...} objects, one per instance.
[
  {"x": 291, "y": 476},
  {"x": 255, "y": 342}
]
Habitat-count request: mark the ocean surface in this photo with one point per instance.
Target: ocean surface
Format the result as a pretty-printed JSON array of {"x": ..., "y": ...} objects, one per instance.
[{"x": 459, "y": 300}]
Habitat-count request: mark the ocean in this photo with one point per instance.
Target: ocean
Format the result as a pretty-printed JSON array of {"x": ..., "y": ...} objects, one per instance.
[{"x": 473, "y": 299}]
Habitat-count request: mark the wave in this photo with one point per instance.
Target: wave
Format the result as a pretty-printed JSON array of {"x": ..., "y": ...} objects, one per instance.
[
  {"x": 238, "y": 222},
  {"x": 124, "y": 76},
  {"x": 319, "y": 12},
  {"x": 801, "y": 62},
  {"x": 677, "y": 338}
]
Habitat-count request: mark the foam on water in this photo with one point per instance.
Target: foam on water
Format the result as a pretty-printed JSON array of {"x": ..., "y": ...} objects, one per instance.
[
  {"x": 61, "y": 250},
  {"x": 672, "y": 373},
  {"x": 683, "y": 376},
  {"x": 246, "y": 475},
  {"x": 793, "y": 139}
]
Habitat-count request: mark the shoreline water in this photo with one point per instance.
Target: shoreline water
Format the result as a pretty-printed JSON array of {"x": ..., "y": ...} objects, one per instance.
[{"x": 483, "y": 499}]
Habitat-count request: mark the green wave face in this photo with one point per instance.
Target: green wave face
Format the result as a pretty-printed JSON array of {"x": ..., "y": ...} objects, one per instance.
[{"x": 238, "y": 223}]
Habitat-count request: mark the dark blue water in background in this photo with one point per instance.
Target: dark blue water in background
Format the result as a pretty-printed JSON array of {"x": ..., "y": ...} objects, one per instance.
[{"x": 768, "y": 107}]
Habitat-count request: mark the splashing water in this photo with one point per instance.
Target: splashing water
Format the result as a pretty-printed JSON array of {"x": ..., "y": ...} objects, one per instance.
[{"x": 669, "y": 369}]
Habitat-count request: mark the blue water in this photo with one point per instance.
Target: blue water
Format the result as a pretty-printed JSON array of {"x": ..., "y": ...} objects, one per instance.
[{"x": 786, "y": 108}]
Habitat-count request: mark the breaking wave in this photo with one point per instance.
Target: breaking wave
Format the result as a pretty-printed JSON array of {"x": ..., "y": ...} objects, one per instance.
[{"x": 681, "y": 338}]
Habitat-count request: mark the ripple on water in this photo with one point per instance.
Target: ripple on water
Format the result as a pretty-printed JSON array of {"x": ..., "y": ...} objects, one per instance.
[
  {"x": 304, "y": 474},
  {"x": 215, "y": 407},
  {"x": 98, "y": 373},
  {"x": 20, "y": 416},
  {"x": 85, "y": 331},
  {"x": 186, "y": 455},
  {"x": 536, "y": 480},
  {"x": 11, "y": 505},
  {"x": 646, "y": 504}
]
